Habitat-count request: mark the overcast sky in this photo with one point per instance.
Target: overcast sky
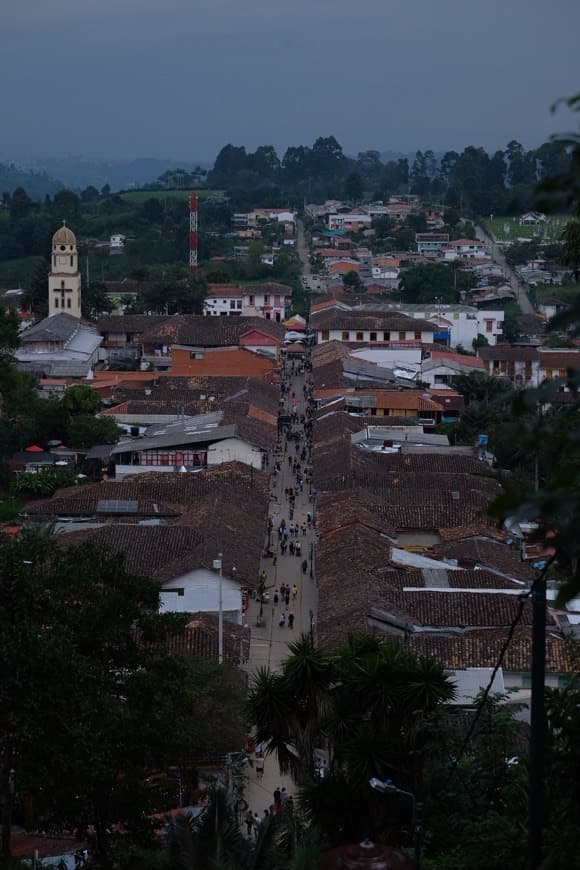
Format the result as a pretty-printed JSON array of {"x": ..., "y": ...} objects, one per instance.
[{"x": 181, "y": 78}]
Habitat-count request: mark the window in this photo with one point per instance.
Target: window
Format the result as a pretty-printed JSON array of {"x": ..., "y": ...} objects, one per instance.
[
  {"x": 239, "y": 304},
  {"x": 276, "y": 300},
  {"x": 386, "y": 336},
  {"x": 251, "y": 300},
  {"x": 360, "y": 336},
  {"x": 345, "y": 335},
  {"x": 402, "y": 336},
  {"x": 373, "y": 336},
  {"x": 417, "y": 336},
  {"x": 489, "y": 325},
  {"x": 62, "y": 285},
  {"x": 71, "y": 260},
  {"x": 56, "y": 301},
  {"x": 266, "y": 299},
  {"x": 68, "y": 302},
  {"x": 232, "y": 304},
  {"x": 324, "y": 335}
]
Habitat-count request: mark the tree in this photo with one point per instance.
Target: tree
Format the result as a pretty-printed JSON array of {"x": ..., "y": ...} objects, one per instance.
[
  {"x": 570, "y": 255},
  {"x": 427, "y": 282},
  {"x": 95, "y": 300},
  {"x": 19, "y": 205},
  {"x": 351, "y": 282},
  {"x": 86, "y": 431},
  {"x": 354, "y": 187},
  {"x": 80, "y": 399},
  {"x": 87, "y": 710},
  {"x": 367, "y": 700},
  {"x": 152, "y": 210},
  {"x": 9, "y": 338}
]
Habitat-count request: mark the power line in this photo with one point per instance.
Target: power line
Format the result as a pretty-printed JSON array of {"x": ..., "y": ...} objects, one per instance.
[{"x": 481, "y": 705}]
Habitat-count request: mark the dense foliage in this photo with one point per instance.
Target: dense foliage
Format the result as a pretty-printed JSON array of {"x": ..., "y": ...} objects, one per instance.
[{"x": 88, "y": 714}]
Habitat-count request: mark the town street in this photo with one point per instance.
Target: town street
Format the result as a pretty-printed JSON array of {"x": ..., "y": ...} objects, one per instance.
[
  {"x": 517, "y": 285},
  {"x": 269, "y": 643}
]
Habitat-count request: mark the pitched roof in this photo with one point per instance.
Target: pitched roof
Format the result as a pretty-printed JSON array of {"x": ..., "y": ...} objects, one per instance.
[
  {"x": 199, "y": 639},
  {"x": 508, "y": 353},
  {"x": 201, "y": 331},
  {"x": 559, "y": 359},
  {"x": 475, "y": 649},
  {"x": 488, "y": 553},
  {"x": 116, "y": 324},
  {"x": 455, "y": 609},
  {"x": 363, "y": 320},
  {"x": 58, "y": 328}
]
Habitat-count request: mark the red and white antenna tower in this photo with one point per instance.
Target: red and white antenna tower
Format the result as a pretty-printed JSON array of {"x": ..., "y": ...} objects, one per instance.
[{"x": 193, "y": 233}]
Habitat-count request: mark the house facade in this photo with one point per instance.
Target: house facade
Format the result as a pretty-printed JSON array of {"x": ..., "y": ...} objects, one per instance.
[
  {"x": 349, "y": 223},
  {"x": 520, "y": 365}
]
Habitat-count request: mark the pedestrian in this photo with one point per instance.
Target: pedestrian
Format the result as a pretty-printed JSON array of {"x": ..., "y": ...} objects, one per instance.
[
  {"x": 284, "y": 797},
  {"x": 297, "y": 548},
  {"x": 287, "y": 598},
  {"x": 275, "y": 597},
  {"x": 290, "y": 620},
  {"x": 294, "y": 591},
  {"x": 259, "y": 768},
  {"x": 249, "y": 822},
  {"x": 256, "y": 823},
  {"x": 291, "y": 547},
  {"x": 277, "y": 799},
  {"x": 282, "y": 621}
]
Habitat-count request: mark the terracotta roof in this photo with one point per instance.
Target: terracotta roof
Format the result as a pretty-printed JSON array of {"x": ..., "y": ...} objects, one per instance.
[
  {"x": 201, "y": 331},
  {"x": 559, "y": 359},
  {"x": 117, "y": 324},
  {"x": 463, "y": 359},
  {"x": 389, "y": 321},
  {"x": 199, "y": 639},
  {"x": 508, "y": 353},
  {"x": 480, "y": 649},
  {"x": 343, "y": 603},
  {"x": 455, "y": 609},
  {"x": 412, "y": 400},
  {"x": 487, "y": 553},
  {"x": 224, "y": 291}
]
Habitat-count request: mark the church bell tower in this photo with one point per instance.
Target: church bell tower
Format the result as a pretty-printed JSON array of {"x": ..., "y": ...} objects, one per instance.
[{"x": 64, "y": 280}]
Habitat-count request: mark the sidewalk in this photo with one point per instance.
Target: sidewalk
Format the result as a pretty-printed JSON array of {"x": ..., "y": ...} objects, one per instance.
[{"x": 269, "y": 643}]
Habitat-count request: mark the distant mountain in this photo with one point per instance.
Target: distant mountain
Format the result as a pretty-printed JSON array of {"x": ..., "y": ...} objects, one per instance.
[
  {"x": 80, "y": 172},
  {"x": 36, "y": 184}
]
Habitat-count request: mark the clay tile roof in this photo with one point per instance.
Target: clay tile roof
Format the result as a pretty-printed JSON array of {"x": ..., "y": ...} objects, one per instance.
[
  {"x": 199, "y": 639},
  {"x": 456, "y": 609},
  {"x": 480, "y": 649},
  {"x": 508, "y": 353},
  {"x": 559, "y": 359},
  {"x": 486, "y": 552}
]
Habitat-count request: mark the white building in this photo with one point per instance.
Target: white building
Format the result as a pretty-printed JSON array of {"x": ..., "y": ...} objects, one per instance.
[
  {"x": 270, "y": 301},
  {"x": 117, "y": 242},
  {"x": 350, "y": 223},
  {"x": 64, "y": 279},
  {"x": 456, "y": 324},
  {"x": 464, "y": 249},
  {"x": 198, "y": 590}
]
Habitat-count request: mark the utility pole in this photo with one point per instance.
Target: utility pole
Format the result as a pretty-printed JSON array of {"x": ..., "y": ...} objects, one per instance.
[
  {"x": 217, "y": 566},
  {"x": 536, "y": 810}
]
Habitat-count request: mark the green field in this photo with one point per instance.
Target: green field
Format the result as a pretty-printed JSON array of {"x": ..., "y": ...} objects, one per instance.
[
  {"x": 508, "y": 229},
  {"x": 565, "y": 292},
  {"x": 140, "y": 196},
  {"x": 17, "y": 273}
]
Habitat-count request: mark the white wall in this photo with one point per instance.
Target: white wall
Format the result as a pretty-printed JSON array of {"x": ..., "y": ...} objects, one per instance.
[
  {"x": 234, "y": 449},
  {"x": 388, "y": 356},
  {"x": 201, "y": 593}
]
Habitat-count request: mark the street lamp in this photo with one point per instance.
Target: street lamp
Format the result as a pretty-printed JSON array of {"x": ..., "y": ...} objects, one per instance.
[
  {"x": 388, "y": 787},
  {"x": 217, "y": 566}
]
